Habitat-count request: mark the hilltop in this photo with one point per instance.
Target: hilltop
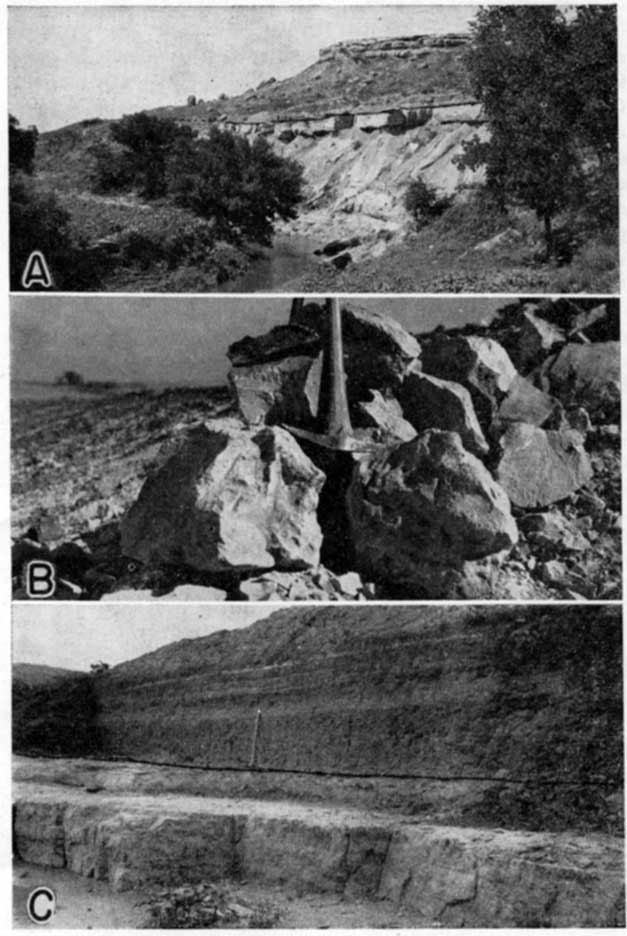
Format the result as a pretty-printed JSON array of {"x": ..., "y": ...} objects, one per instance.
[{"x": 33, "y": 675}]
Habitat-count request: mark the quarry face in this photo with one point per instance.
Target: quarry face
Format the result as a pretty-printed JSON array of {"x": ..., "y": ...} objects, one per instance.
[{"x": 457, "y": 766}]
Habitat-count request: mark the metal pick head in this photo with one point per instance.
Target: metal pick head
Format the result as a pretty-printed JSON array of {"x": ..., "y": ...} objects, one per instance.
[{"x": 341, "y": 442}]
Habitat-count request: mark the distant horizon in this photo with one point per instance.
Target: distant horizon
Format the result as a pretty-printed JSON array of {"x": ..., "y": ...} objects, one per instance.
[
  {"x": 161, "y": 340},
  {"x": 69, "y": 64},
  {"x": 61, "y": 636}
]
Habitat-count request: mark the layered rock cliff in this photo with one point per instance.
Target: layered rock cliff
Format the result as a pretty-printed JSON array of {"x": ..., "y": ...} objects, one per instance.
[{"x": 524, "y": 697}]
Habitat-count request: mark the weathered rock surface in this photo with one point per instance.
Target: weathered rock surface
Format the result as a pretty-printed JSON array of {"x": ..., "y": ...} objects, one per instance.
[
  {"x": 588, "y": 375},
  {"x": 480, "y": 364},
  {"x": 229, "y": 498},
  {"x": 385, "y": 415},
  {"x": 449, "y": 875},
  {"x": 426, "y": 502},
  {"x": 320, "y": 585},
  {"x": 539, "y": 467},
  {"x": 378, "y": 351},
  {"x": 280, "y": 391},
  {"x": 180, "y": 593},
  {"x": 532, "y": 339},
  {"x": 430, "y": 403},
  {"x": 282, "y": 341},
  {"x": 526, "y": 403}
]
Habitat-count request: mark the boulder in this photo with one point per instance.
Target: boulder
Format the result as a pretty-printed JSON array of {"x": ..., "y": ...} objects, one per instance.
[
  {"x": 431, "y": 403},
  {"x": 480, "y": 364},
  {"x": 283, "y": 341},
  {"x": 425, "y": 505},
  {"x": 538, "y": 467},
  {"x": 551, "y": 531},
  {"x": 526, "y": 403},
  {"x": 385, "y": 416},
  {"x": 229, "y": 498},
  {"x": 533, "y": 339},
  {"x": 284, "y": 391},
  {"x": 180, "y": 593},
  {"x": 378, "y": 352},
  {"x": 587, "y": 375},
  {"x": 320, "y": 585}
]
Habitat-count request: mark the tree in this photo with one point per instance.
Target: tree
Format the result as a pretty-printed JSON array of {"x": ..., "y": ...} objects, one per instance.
[
  {"x": 241, "y": 187},
  {"x": 22, "y": 144},
  {"x": 424, "y": 202},
  {"x": 146, "y": 142},
  {"x": 522, "y": 68}
]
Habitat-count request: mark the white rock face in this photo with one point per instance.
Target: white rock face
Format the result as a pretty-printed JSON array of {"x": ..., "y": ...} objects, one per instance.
[{"x": 229, "y": 498}]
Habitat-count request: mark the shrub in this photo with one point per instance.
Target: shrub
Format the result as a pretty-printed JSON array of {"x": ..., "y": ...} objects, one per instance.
[{"x": 424, "y": 202}]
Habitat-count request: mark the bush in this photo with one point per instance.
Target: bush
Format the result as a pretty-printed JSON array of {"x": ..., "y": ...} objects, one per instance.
[
  {"x": 38, "y": 222},
  {"x": 424, "y": 203}
]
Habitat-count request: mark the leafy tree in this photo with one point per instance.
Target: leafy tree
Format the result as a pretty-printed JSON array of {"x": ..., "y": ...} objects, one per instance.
[
  {"x": 22, "y": 145},
  {"x": 548, "y": 87},
  {"x": 146, "y": 142},
  {"x": 241, "y": 187}
]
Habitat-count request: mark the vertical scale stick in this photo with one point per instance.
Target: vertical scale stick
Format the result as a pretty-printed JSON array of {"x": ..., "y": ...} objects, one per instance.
[{"x": 253, "y": 747}]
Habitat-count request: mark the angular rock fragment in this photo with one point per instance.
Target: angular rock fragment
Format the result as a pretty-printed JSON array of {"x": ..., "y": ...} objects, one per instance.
[
  {"x": 533, "y": 339},
  {"x": 539, "y": 467},
  {"x": 527, "y": 404},
  {"x": 280, "y": 342},
  {"x": 589, "y": 375},
  {"x": 378, "y": 351},
  {"x": 320, "y": 585},
  {"x": 430, "y": 403},
  {"x": 424, "y": 505},
  {"x": 385, "y": 415},
  {"x": 480, "y": 364},
  {"x": 283, "y": 391},
  {"x": 229, "y": 498}
]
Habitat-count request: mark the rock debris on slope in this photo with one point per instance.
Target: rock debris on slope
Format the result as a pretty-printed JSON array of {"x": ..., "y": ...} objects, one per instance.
[{"x": 470, "y": 432}]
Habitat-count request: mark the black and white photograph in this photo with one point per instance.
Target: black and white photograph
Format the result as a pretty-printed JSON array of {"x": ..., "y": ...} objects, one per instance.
[
  {"x": 273, "y": 449},
  {"x": 307, "y": 149},
  {"x": 201, "y": 767}
]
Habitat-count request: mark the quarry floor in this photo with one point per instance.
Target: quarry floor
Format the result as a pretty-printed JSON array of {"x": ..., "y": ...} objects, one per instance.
[{"x": 320, "y": 865}]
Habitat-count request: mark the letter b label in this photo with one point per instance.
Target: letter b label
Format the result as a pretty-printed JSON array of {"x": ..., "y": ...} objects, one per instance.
[{"x": 40, "y": 579}]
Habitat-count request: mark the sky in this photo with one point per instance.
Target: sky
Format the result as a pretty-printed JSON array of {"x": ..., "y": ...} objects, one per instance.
[
  {"x": 69, "y": 636},
  {"x": 178, "y": 341},
  {"x": 71, "y": 63}
]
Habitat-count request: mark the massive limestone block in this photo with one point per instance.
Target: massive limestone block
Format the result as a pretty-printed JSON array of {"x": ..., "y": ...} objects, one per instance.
[
  {"x": 425, "y": 503},
  {"x": 285, "y": 391},
  {"x": 229, "y": 498},
  {"x": 430, "y": 403},
  {"x": 378, "y": 352},
  {"x": 589, "y": 375},
  {"x": 539, "y": 467},
  {"x": 480, "y": 364}
]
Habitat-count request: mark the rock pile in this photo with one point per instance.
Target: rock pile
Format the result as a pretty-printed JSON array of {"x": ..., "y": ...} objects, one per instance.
[{"x": 490, "y": 467}]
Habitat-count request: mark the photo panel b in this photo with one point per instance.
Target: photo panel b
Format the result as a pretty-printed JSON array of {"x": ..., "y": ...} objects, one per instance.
[{"x": 315, "y": 449}]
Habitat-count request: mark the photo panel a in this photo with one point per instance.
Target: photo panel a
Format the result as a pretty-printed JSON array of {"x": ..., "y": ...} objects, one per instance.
[{"x": 338, "y": 148}]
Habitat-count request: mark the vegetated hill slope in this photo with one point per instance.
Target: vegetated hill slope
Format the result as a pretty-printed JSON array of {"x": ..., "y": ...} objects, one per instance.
[
  {"x": 37, "y": 674},
  {"x": 529, "y": 698},
  {"x": 353, "y": 75},
  {"x": 457, "y": 691}
]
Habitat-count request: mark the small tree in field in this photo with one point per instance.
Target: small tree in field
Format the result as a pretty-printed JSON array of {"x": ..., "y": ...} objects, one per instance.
[{"x": 423, "y": 201}]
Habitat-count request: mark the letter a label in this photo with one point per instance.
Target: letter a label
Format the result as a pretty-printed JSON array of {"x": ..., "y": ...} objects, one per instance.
[{"x": 36, "y": 272}]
